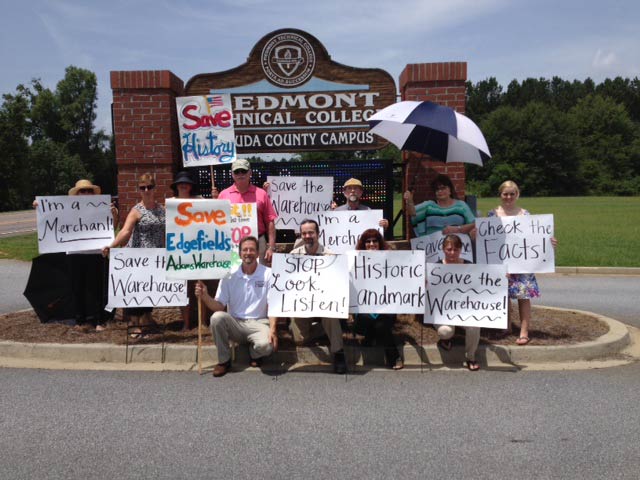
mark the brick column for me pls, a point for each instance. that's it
(442, 83)
(145, 126)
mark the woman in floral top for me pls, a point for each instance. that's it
(143, 228)
(522, 286)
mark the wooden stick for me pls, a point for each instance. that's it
(213, 177)
(200, 336)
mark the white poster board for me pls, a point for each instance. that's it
(74, 223)
(386, 281)
(198, 243)
(340, 230)
(307, 286)
(432, 246)
(244, 223)
(297, 198)
(467, 295)
(522, 243)
(206, 130)
(137, 278)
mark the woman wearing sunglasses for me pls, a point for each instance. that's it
(143, 228)
(377, 328)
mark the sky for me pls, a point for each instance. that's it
(572, 39)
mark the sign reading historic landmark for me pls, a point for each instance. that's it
(290, 97)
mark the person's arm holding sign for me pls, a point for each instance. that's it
(273, 333)
(211, 303)
(127, 230)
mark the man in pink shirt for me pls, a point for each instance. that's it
(243, 192)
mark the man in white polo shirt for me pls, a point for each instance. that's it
(244, 292)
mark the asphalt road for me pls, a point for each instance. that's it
(17, 223)
(447, 424)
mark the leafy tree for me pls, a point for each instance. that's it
(483, 98)
(14, 151)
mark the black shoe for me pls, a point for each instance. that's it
(339, 363)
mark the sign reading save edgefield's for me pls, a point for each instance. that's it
(198, 242)
(290, 97)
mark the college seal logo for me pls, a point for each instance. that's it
(288, 59)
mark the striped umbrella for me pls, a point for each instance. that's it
(432, 129)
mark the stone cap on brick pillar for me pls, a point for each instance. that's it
(146, 79)
(430, 72)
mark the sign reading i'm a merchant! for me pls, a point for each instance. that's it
(291, 97)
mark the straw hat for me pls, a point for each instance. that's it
(84, 185)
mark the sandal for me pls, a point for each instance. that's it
(472, 365)
(446, 345)
(399, 365)
(522, 341)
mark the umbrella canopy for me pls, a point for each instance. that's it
(49, 287)
(426, 127)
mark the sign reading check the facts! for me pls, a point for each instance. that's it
(386, 282)
(74, 223)
(206, 130)
(138, 278)
(199, 240)
(523, 243)
(297, 198)
(309, 286)
(467, 295)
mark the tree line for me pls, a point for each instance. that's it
(555, 137)
(48, 140)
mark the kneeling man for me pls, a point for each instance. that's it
(244, 294)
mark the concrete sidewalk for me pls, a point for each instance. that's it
(621, 345)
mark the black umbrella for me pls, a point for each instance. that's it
(49, 287)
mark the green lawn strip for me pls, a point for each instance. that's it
(23, 247)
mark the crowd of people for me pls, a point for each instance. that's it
(239, 303)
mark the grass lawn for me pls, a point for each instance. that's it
(592, 231)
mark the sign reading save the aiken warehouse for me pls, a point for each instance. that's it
(290, 96)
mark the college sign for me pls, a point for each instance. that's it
(291, 97)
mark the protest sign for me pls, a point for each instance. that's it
(244, 223)
(432, 246)
(199, 241)
(297, 198)
(308, 286)
(74, 223)
(206, 130)
(522, 243)
(467, 295)
(138, 278)
(340, 230)
(386, 281)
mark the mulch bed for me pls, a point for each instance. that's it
(548, 327)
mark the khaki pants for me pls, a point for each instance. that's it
(254, 332)
(471, 338)
(303, 330)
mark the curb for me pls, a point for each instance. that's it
(597, 271)
(184, 357)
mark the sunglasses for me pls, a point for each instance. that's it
(145, 188)
(371, 240)
(240, 171)
(85, 190)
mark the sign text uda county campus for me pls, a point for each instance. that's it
(291, 97)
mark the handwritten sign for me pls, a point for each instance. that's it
(386, 281)
(308, 286)
(198, 242)
(432, 246)
(206, 130)
(340, 230)
(297, 198)
(137, 278)
(467, 295)
(74, 223)
(244, 223)
(523, 243)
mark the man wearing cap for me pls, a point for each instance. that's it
(353, 190)
(243, 192)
